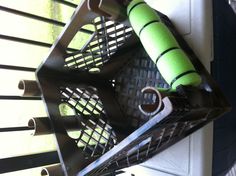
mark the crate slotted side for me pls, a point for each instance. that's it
(97, 136)
(107, 37)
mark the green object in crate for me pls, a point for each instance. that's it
(162, 47)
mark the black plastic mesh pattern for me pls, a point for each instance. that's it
(107, 37)
(148, 145)
(96, 135)
(159, 138)
(137, 74)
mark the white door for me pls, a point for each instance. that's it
(193, 155)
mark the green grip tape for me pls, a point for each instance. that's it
(177, 69)
(162, 47)
(140, 14)
(156, 39)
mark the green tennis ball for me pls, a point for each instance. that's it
(156, 38)
(141, 15)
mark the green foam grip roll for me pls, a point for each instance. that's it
(162, 47)
(156, 38)
(177, 69)
(140, 14)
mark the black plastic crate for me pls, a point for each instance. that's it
(102, 82)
